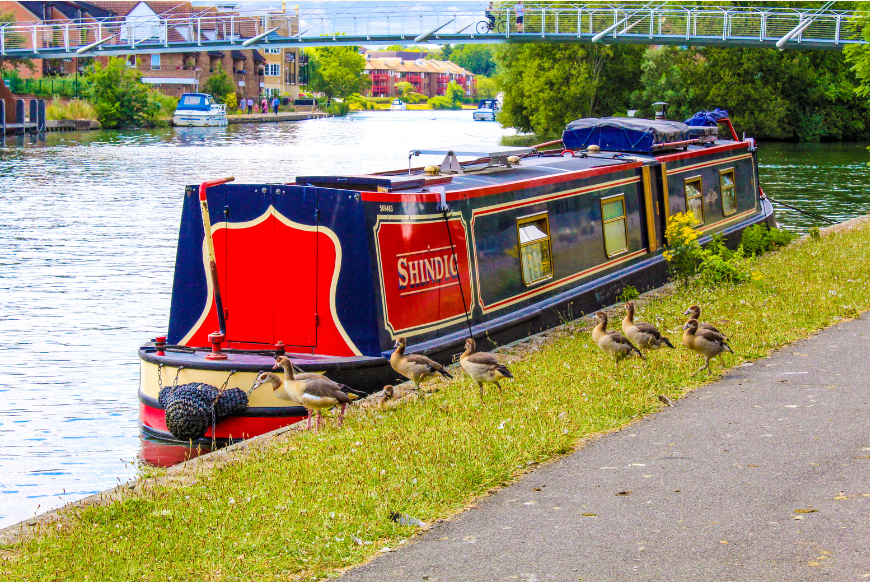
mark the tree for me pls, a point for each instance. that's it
(454, 94)
(11, 40)
(219, 85)
(477, 58)
(337, 71)
(486, 88)
(404, 88)
(548, 85)
(118, 94)
(400, 48)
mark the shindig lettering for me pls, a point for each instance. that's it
(418, 272)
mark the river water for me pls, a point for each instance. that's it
(87, 248)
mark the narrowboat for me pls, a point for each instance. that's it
(494, 242)
(486, 110)
(199, 110)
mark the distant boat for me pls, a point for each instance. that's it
(398, 105)
(486, 110)
(199, 110)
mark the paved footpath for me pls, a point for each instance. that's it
(764, 475)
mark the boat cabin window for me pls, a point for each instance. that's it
(613, 217)
(192, 100)
(533, 233)
(695, 199)
(728, 191)
(211, 100)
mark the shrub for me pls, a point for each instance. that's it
(715, 264)
(415, 98)
(232, 101)
(758, 239)
(815, 233)
(219, 85)
(338, 108)
(441, 102)
(118, 95)
(628, 293)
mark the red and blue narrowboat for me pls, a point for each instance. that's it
(495, 242)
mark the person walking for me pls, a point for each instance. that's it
(275, 103)
(264, 105)
(521, 12)
(250, 106)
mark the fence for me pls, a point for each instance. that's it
(47, 87)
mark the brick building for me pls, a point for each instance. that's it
(429, 77)
(151, 24)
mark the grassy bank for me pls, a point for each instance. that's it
(305, 505)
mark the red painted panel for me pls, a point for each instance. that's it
(248, 286)
(420, 274)
(297, 283)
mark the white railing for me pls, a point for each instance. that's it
(625, 22)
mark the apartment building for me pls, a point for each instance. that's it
(429, 77)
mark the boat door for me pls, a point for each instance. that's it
(270, 265)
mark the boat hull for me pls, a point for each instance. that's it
(192, 120)
(484, 115)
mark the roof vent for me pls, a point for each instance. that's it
(419, 62)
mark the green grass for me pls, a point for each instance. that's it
(290, 508)
(73, 109)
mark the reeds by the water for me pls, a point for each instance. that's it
(306, 505)
(72, 109)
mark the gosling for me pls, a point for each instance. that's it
(644, 335)
(694, 312)
(706, 343)
(416, 367)
(315, 393)
(613, 343)
(483, 367)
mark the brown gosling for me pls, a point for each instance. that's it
(694, 312)
(483, 367)
(644, 335)
(707, 343)
(314, 392)
(416, 367)
(613, 343)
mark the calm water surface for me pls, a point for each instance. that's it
(87, 250)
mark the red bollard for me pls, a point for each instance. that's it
(216, 339)
(159, 344)
(279, 348)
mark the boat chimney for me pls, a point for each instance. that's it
(661, 109)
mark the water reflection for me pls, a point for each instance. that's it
(158, 453)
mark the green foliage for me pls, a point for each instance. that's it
(338, 108)
(441, 102)
(455, 94)
(357, 101)
(759, 239)
(407, 49)
(815, 233)
(404, 88)
(486, 88)
(336, 71)
(219, 85)
(231, 100)
(548, 85)
(716, 264)
(118, 95)
(477, 58)
(74, 109)
(415, 98)
(628, 293)
(12, 40)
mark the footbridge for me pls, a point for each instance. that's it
(652, 23)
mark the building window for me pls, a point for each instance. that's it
(273, 70)
(155, 62)
(533, 233)
(272, 51)
(728, 190)
(613, 218)
(695, 199)
(391, 73)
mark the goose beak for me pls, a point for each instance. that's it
(396, 344)
(687, 312)
(257, 384)
(686, 326)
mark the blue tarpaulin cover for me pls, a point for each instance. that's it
(707, 118)
(622, 134)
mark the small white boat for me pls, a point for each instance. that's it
(487, 110)
(199, 110)
(398, 105)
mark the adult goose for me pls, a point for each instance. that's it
(613, 343)
(313, 391)
(416, 367)
(483, 367)
(706, 343)
(644, 335)
(694, 312)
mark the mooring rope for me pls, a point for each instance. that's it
(811, 214)
(446, 209)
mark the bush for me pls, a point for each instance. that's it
(758, 239)
(118, 95)
(715, 264)
(441, 102)
(415, 98)
(75, 109)
(338, 108)
(219, 85)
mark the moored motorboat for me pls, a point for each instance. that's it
(496, 242)
(199, 110)
(486, 110)
(398, 105)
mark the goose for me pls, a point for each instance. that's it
(299, 375)
(644, 335)
(612, 342)
(707, 343)
(694, 312)
(483, 367)
(415, 366)
(313, 391)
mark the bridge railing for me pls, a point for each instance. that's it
(698, 25)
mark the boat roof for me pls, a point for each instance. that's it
(479, 174)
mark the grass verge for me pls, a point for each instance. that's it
(303, 505)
